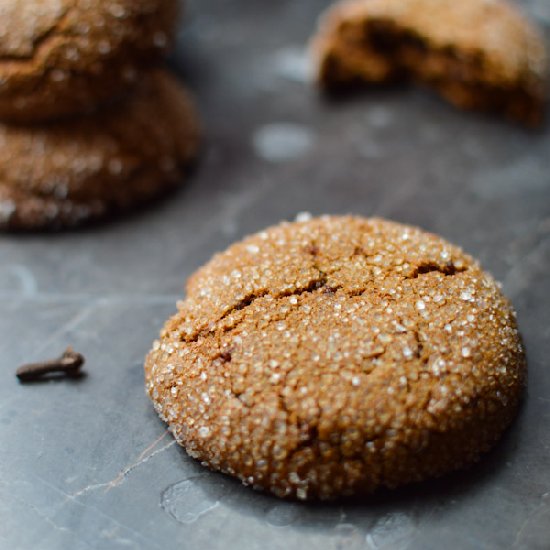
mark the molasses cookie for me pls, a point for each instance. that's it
(334, 356)
(70, 172)
(61, 57)
(478, 54)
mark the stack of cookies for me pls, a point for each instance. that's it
(91, 125)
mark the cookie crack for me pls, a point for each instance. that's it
(313, 286)
(448, 270)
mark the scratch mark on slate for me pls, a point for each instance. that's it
(69, 325)
(527, 521)
(123, 474)
(94, 510)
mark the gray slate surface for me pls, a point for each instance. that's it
(87, 464)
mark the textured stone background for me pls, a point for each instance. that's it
(87, 464)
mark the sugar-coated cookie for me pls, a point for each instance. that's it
(337, 355)
(67, 173)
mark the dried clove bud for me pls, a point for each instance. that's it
(69, 364)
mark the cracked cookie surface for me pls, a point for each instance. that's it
(478, 54)
(63, 57)
(334, 356)
(67, 173)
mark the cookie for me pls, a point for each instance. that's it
(63, 57)
(478, 54)
(70, 172)
(338, 355)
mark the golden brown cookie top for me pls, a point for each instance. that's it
(334, 347)
(329, 253)
(494, 29)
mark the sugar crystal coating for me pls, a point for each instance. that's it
(303, 364)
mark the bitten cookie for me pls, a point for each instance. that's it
(67, 173)
(338, 355)
(478, 54)
(62, 57)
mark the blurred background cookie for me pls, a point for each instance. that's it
(336, 356)
(66, 173)
(478, 54)
(62, 57)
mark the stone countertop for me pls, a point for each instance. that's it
(87, 463)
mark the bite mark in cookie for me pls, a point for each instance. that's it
(478, 54)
